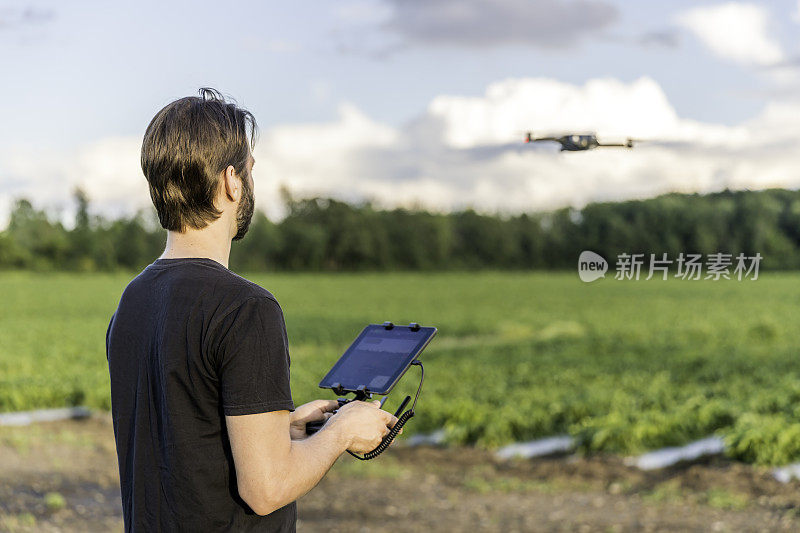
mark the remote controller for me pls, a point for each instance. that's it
(372, 365)
(313, 427)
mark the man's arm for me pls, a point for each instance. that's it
(315, 411)
(272, 470)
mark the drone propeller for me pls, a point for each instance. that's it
(527, 135)
(634, 140)
(530, 137)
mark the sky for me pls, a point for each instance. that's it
(408, 102)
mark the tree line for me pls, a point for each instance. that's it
(324, 234)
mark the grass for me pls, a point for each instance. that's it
(622, 366)
(671, 491)
(349, 467)
(486, 485)
(726, 499)
(23, 438)
(54, 501)
(17, 522)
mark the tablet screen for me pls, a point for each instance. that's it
(378, 358)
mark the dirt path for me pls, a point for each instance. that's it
(62, 476)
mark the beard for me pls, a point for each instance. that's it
(244, 212)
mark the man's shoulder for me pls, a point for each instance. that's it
(203, 281)
(247, 289)
(227, 292)
(237, 292)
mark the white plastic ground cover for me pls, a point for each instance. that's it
(537, 448)
(429, 439)
(23, 418)
(654, 460)
(786, 473)
(650, 461)
(669, 456)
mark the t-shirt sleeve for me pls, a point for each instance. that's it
(253, 359)
(108, 332)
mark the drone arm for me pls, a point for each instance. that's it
(617, 145)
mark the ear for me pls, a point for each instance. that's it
(233, 185)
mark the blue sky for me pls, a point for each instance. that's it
(83, 78)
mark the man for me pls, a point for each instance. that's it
(207, 435)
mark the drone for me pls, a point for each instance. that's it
(578, 142)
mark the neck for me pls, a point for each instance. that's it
(212, 242)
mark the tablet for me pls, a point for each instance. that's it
(378, 358)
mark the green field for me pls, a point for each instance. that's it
(622, 366)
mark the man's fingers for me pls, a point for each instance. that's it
(389, 418)
(326, 405)
(316, 410)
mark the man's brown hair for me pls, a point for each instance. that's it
(186, 147)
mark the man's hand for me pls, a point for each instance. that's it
(275, 467)
(364, 425)
(310, 412)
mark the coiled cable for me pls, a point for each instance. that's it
(401, 420)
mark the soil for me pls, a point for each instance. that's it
(62, 476)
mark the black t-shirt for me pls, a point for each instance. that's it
(189, 343)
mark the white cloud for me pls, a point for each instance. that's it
(735, 31)
(467, 152)
(312, 158)
(108, 170)
(639, 109)
(542, 23)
